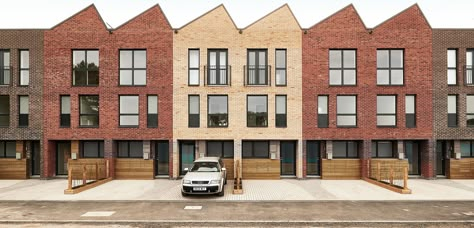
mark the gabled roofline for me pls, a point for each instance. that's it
(400, 13)
(140, 14)
(89, 6)
(270, 13)
(208, 12)
(336, 13)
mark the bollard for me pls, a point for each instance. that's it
(69, 177)
(405, 178)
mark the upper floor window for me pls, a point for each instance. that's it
(65, 119)
(24, 67)
(23, 111)
(91, 149)
(133, 67)
(469, 80)
(257, 67)
(346, 111)
(386, 110)
(217, 67)
(389, 67)
(323, 117)
(410, 111)
(280, 67)
(345, 149)
(85, 71)
(129, 111)
(257, 111)
(342, 67)
(193, 111)
(384, 149)
(470, 110)
(452, 110)
(130, 149)
(4, 110)
(89, 111)
(280, 111)
(152, 116)
(452, 66)
(467, 149)
(223, 149)
(7, 149)
(217, 111)
(193, 67)
(5, 67)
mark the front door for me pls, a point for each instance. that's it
(288, 158)
(441, 148)
(63, 153)
(186, 154)
(313, 158)
(412, 151)
(162, 158)
(35, 158)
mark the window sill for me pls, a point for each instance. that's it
(346, 126)
(342, 85)
(263, 85)
(391, 85)
(282, 85)
(194, 85)
(395, 126)
(218, 126)
(131, 85)
(85, 85)
(257, 126)
(225, 85)
(130, 126)
(24, 86)
(88, 126)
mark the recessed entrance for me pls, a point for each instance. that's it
(288, 158)
(186, 155)
(35, 158)
(63, 154)
(162, 158)
(441, 156)
(412, 151)
(313, 161)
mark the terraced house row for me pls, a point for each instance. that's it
(284, 101)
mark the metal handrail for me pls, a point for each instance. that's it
(268, 73)
(210, 68)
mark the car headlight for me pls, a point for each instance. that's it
(215, 181)
(186, 182)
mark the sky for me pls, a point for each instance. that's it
(48, 13)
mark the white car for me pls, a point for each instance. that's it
(207, 176)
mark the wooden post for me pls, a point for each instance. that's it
(69, 177)
(405, 178)
(378, 171)
(107, 168)
(84, 171)
(391, 175)
(96, 171)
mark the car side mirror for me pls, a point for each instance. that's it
(224, 169)
(186, 169)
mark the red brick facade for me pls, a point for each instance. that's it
(86, 30)
(409, 31)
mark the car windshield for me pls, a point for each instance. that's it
(205, 167)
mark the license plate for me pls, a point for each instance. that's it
(199, 189)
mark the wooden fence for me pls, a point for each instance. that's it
(390, 172)
(82, 172)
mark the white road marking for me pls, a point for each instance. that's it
(193, 208)
(468, 213)
(406, 210)
(455, 213)
(98, 214)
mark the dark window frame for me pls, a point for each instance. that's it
(87, 70)
(222, 142)
(23, 119)
(469, 113)
(257, 67)
(3, 143)
(63, 118)
(198, 115)
(469, 81)
(282, 117)
(253, 149)
(128, 149)
(209, 115)
(133, 69)
(452, 68)
(384, 114)
(9, 110)
(453, 116)
(279, 68)
(129, 114)
(98, 112)
(376, 152)
(354, 114)
(150, 118)
(218, 68)
(4, 69)
(342, 68)
(471, 144)
(21, 69)
(266, 113)
(390, 68)
(407, 115)
(100, 153)
(194, 68)
(346, 142)
(323, 119)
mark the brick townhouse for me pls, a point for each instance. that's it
(367, 94)
(21, 113)
(108, 94)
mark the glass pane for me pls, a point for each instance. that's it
(194, 58)
(261, 149)
(386, 104)
(469, 58)
(470, 104)
(194, 77)
(92, 59)
(257, 104)
(4, 105)
(24, 77)
(349, 77)
(352, 150)
(346, 120)
(281, 104)
(90, 149)
(122, 149)
(382, 59)
(322, 104)
(125, 59)
(93, 78)
(152, 104)
(470, 120)
(384, 149)
(193, 104)
(89, 121)
(262, 61)
(212, 59)
(129, 104)
(396, 58)
(346, 104)
(452, 77)
(452, 100)
(410, 104)
(465, 148)
(312, 158)
(162, 158)
(335, 59)
(339, 149)
(280, 77)
(139, 60)
(386, 121)
(187, 156)
(129, 120)
(24, 105)
(349, 59)
(252, 61)
(125, 77)
(335, 77)
(6, 58)
(79, 59)
(214, 149)
(280, 58)
(65, 104)
(397, 77)
(25, 59)
(139, 77)
(89, 104)
(223, 58)
(383, 77)
(217, 104)
(136, 149)
(247, 149)
(10, 149)
(228, 150)
(452, 58)
(79, 77)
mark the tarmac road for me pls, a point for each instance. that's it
(270, 214)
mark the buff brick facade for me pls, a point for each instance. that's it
(345, 30)
(148, 31)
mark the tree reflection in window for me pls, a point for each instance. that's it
(85, 70)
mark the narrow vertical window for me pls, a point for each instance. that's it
(323, 117)
(410, 111)
(24, 67)
(152, 116)
(85, 71)
(470, 110)
(217, 67)
(452, 67)
(280, 112)
(133, 67)
(193, 67)
(257, 67)
(5, 68)
(346, 111)
(88, 110)
(257, 111)
(280, 67)
(389, 67)
(193, 111)
(217, 111)
(386, 111)
(452, 111)
(129, 111)
(342, 67)
(469, 80)
(65, 119)
(4, 110)
(24, 110)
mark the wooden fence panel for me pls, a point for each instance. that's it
(461, 169)
(11, 168)
(260, 169)
(340, 169)
(138, 169)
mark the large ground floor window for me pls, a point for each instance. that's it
(255, 149)
(130, 149)
(223, 149)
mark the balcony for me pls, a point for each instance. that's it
(257, 75)
(217, 75)
(5, 75)
(468, 78)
